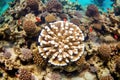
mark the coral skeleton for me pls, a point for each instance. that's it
(61, 43)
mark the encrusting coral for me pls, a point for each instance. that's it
(50, 18)
(108, 77)
(38, 60)
(75, 21)
(61, 43)
(24, 74)
(118, 66)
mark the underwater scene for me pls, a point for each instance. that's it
(59, 39)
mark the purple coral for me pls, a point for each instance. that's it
(32, 4)
(26, 54)
(92, 11)
(54, 6)
(24, 74)
(7, 54)
(56, 76)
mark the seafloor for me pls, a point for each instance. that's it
(59, 40)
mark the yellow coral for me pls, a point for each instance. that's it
(50, 18)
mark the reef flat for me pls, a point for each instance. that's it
(59, 40)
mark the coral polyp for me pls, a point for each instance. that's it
(61, 43)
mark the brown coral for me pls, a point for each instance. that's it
(63, 16)
(26, 54)
(50, 18)
(104, 52)
(118, 46)
(38, 60)
(97, 26)
(24, 74)
(54, 6)
(108, 77)
(80, 61)
(61, 43)
(75, 21)
(32, 4)
(92, 11)
(29, 27)
(6, 54)
(118, 66)
(56, 76)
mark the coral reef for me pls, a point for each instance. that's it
(29, 26)
(92, 11)
(75, 21)
(59, 40)
(24, 74)
(54, 6)
(26, 54)
(50, 18)
(32, 4)
(109, 77)
(53, 40)
(118, 66)
(104, 52)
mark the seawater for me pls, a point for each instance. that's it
(4, 5)
(103, 5)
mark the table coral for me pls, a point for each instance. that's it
(61, 43)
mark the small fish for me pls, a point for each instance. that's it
(38, 19)
(90, 29)
(64, 19)
(116, 36)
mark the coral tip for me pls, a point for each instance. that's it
(115, 36)
(90, 29)
(38, 19)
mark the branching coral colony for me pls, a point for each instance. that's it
(61, 43)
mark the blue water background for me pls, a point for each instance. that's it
(102, 6)
(4, 5)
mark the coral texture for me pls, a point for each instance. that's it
(104, 52)
(32, 4)
(50, 18)
(29, 27)
(75, 21)
(92, 11)
(38, 60)
(25, 74)
(61, 43)
(54, 6)
(118, 66)
(109, 77)
(26, 54)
